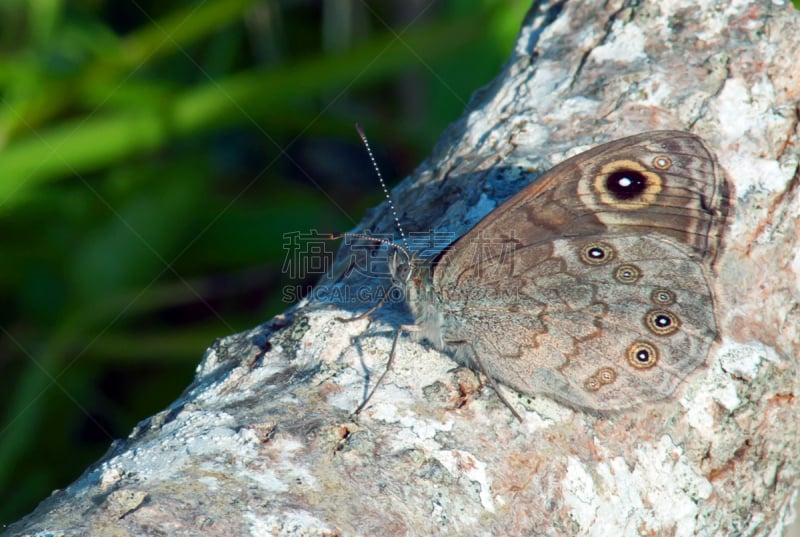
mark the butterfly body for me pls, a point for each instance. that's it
(591, 285)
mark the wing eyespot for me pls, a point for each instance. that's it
(662, 162)
(627, 274)
(642, 355)
(627, 185)
(663, 297)
(596, 253)
(662, 322)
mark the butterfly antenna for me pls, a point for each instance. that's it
(383, 184)
(364, 236)
(379, 240)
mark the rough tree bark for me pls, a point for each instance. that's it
(263, 443)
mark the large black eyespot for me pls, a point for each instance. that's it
(626, 184)
(642, 355)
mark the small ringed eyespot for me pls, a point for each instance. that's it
(642, 355)
(606, 375)
(662, 162)
(663, 296)
(592, 384)
(662, 322)
(627, 274)
(597, 253)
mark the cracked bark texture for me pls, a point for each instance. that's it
(263, 443)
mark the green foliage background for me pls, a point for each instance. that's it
(152, 154)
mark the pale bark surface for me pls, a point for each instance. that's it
(262, 443)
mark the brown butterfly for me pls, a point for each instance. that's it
(589, 286)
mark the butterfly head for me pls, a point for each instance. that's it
(401, 267)
(413, 276)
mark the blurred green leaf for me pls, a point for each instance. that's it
(153, 156)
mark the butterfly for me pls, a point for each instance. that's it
(592, 285)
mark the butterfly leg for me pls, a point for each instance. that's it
(380, 379)
(476, 360)
(370, 311)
